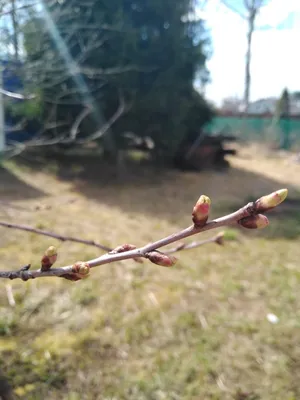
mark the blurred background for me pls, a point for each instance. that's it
(115, 116)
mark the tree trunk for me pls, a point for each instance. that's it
(15, 30)
(251, 20)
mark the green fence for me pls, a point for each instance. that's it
(286, 132)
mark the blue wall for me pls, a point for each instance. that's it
(13, 83)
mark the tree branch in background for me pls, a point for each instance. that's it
(71, 137)
(18, 96)
(251, 216)
(57, 71)
(99, 133)
(17, 127)
(2, 13)
(57, 236)
(74, 128)
(218, 239)
(79, 46)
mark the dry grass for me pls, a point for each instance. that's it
(131, 331)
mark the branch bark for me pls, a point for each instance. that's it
(18, 96)
(74, 129)
(248, 216)
(57, 236)
(99, 133)
(218, 239)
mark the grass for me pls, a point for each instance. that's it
(131, 331)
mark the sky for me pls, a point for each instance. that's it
(275, 55)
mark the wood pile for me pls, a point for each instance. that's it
(209, 152)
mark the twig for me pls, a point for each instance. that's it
(57, 236)
(112, 71)
(18, 8)
(74, 128)
(70, 137)
(19, 96)
(99, 133)
(10, 296)
(17, 127)
(218, 239)
(248, 216)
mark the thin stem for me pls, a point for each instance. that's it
(187, 246)
(108, 258)
(251, 210)
(57, 236)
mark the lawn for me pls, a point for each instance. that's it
(199, 330)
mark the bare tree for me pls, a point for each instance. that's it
(50, 70)
(248, 10)
(11, 14)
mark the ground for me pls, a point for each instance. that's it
(135, 331)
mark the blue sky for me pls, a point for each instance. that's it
(275, 54)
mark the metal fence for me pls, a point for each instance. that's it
(285, 131)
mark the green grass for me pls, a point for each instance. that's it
(141, 332)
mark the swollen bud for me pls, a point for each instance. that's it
(126, 247)
(161, 259)
(258, 221)
(48, 258)
(201, 211)
(271, 200)
(123, 248)
(81, 268)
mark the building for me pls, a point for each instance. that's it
(268, 105)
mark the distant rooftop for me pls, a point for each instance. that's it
(268, 105)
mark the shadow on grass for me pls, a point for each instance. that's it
(166, 193)
(12, 188)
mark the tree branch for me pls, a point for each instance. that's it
(17, 127)
(99, 133)
(74, 92)
(18, 8)
(74, 128)
(71, 136)
(248, 216)
(57, 236)
(218, 239)
(111, 71)
(76, 69)
(18, 96)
